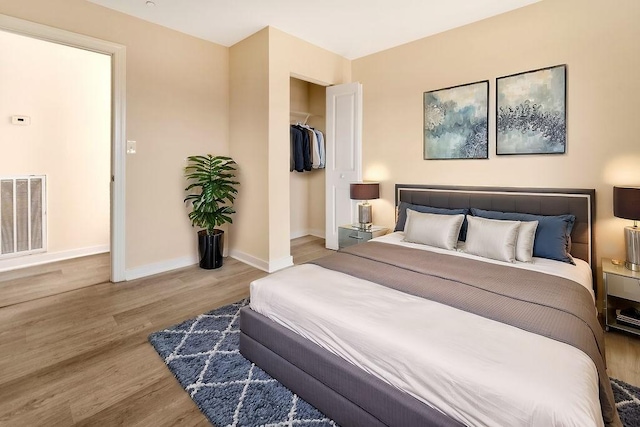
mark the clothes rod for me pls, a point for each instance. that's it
(301, 113)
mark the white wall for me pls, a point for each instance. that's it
(67, 94)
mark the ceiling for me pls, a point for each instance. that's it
(350, 28)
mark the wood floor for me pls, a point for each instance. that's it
(81, 357)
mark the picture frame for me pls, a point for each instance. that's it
(531, 113)
(456, 122)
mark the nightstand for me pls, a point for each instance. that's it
(352, 234)
(622, 290)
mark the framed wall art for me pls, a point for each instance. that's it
(531, 113)
(456, 122)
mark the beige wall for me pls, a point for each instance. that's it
(249, 142)
(599, 43)
(306, 189)
(260, 233)
(177, 105)
(67, 94)
(188, 96)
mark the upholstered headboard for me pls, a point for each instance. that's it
(540, 201)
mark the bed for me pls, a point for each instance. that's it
(402, 333)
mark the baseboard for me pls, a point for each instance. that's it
(47, 257)
(317, 232)
(299, 233)
(261, 264)
(159, 267)
(308, 232)
(172, 264)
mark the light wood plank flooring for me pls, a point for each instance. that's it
(27, 284)
(81, 357)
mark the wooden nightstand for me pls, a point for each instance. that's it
(352, 234)
(622, 290)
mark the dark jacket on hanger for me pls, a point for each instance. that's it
(305, 150)
(296, 140)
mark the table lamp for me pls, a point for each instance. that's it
(364, 191)
(626, 204)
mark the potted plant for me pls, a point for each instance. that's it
(212, 190)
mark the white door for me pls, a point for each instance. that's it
(343, 156)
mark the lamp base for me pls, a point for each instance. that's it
(632, 242)
(631, 266)
(364, 215)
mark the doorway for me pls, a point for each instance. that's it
(307, 187)
(116, 176)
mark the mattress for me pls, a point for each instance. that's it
(475, 370)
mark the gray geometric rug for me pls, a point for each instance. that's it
(627, 401)
(203, 355)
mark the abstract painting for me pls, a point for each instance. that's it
(531, 115)
(455, 122)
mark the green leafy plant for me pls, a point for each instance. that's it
(211, 181)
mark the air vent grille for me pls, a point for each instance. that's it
(22, 215)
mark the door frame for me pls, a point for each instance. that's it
(118, 120)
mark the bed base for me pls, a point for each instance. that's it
(342, 391)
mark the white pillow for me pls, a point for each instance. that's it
(433, 229)
(492, 238)
(526, 237)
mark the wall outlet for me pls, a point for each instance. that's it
(131, 147)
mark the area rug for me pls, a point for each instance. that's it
(203, 355)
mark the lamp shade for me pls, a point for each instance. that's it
(364, 190)
(626, 202)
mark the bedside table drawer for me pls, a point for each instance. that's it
(623, 287)
(347, 237)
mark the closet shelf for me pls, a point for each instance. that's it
(304, 114)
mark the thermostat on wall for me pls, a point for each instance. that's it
(21, 120)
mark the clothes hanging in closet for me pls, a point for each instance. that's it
(307, 148)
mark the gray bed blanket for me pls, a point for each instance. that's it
(544, 304)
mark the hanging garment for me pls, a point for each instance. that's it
(314, 147)
(321, 150)
(297, 142)
(315, 151)
(306, 149)
(292, 137)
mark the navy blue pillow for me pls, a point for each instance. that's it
(402, 216)
(553, 235)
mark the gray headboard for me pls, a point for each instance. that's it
(540, 201)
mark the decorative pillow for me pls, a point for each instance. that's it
(526, 238)
(433, 229)
(552, 234)
(491, 238)
(402, 215)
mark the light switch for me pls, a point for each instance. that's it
(131, 147)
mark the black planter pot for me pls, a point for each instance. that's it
(210, 247)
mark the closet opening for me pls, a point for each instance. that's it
(307, 188)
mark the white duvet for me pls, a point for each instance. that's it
(478, 371)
